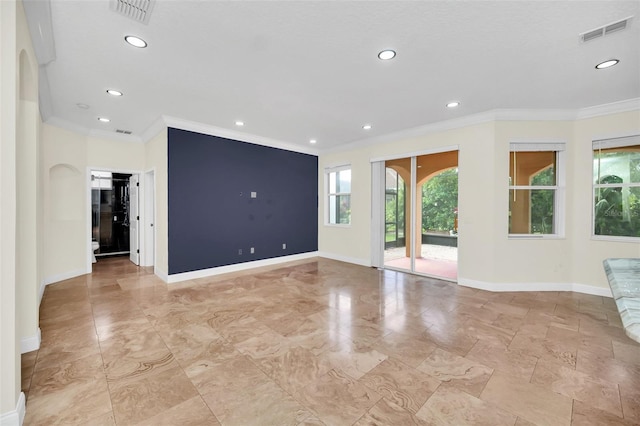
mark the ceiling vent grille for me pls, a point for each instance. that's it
(138, 10)
(124, 132)
(605, 30)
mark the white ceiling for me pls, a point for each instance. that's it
(296, 70)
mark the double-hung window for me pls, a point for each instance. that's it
(536, 184)
(616, 188)
(338, 199)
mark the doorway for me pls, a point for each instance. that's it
(114, 214)
(420, 214)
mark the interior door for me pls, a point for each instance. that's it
(134, 220)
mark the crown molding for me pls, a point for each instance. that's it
(492, 116)
(207, 129)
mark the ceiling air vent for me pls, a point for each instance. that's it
(605, 30)
(138, 10)
(124, 132)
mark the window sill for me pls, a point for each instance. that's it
(615, 239)
(536, 237)
(338, 225)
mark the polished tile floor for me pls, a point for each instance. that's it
(320, 342)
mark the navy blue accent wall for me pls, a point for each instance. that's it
(212, 215)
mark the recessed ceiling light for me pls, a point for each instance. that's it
(82, 106)
(104, 119)
(607, 64)
(313, 141)
(453, 104)
(114, 92)
(135, 41)
(239, 123)
(387, 54)
(367, 126)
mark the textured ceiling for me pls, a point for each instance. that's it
(296, 70)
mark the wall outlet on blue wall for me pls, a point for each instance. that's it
(240, 252)
(284, 246)
(253, 250)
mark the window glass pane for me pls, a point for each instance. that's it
(617, 211)
(531, 211)
(333, 188)
(617, 165)
(344, 181)
(532, 168)
(332, 209)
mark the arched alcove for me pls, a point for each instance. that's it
(66, 186)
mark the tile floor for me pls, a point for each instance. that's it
(321, 342)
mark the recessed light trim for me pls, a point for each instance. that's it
(453, 104)
(387, 54)
(114, 92)
(135, 41)
(82, 106)
(312, 141)
(239, 123)
(607, 64)
(104, 119)
(367, 127)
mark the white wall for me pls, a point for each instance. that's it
(66, 160)
(156, 159)
(487, 257)
(9, 351)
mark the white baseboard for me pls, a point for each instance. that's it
(202, 273)
(65, 276)
(498, 287)
(30, 344)
(15, 417)
(354, 260)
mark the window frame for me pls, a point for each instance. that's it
(559, 199)
(608, 143)
(328, 194)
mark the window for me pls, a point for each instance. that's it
(535, 189)
(338, 181)
(616, 187)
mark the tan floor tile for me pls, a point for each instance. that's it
(628, 353)
(514, 362)
(579, 386)
(586, 415)
(133, 355)
(560, 351)
(192, 412)
(262, 404)
(295, 369)
(532, 402)
(450, 406)
(456, 371)
(412, 351)
(139, 398)
(388, 413)
(337, 399)
(73, 404)
(400, 384)
(293, 344)
(355, 362)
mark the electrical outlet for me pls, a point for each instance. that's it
(284, 246)
(253, 250)
(240, 251)
(254, 194)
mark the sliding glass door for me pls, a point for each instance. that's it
(420, 214)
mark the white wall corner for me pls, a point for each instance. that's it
(161, 274)
(32, 343)
(500, 287)
(15, 417)
(65, 276)
(43, 284)
(346, 259)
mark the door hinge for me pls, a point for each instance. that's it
(137, 183)
(137, 250)
(137, 217)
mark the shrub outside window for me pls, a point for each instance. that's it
(535, 197)
(616, 187)
(338, 181)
